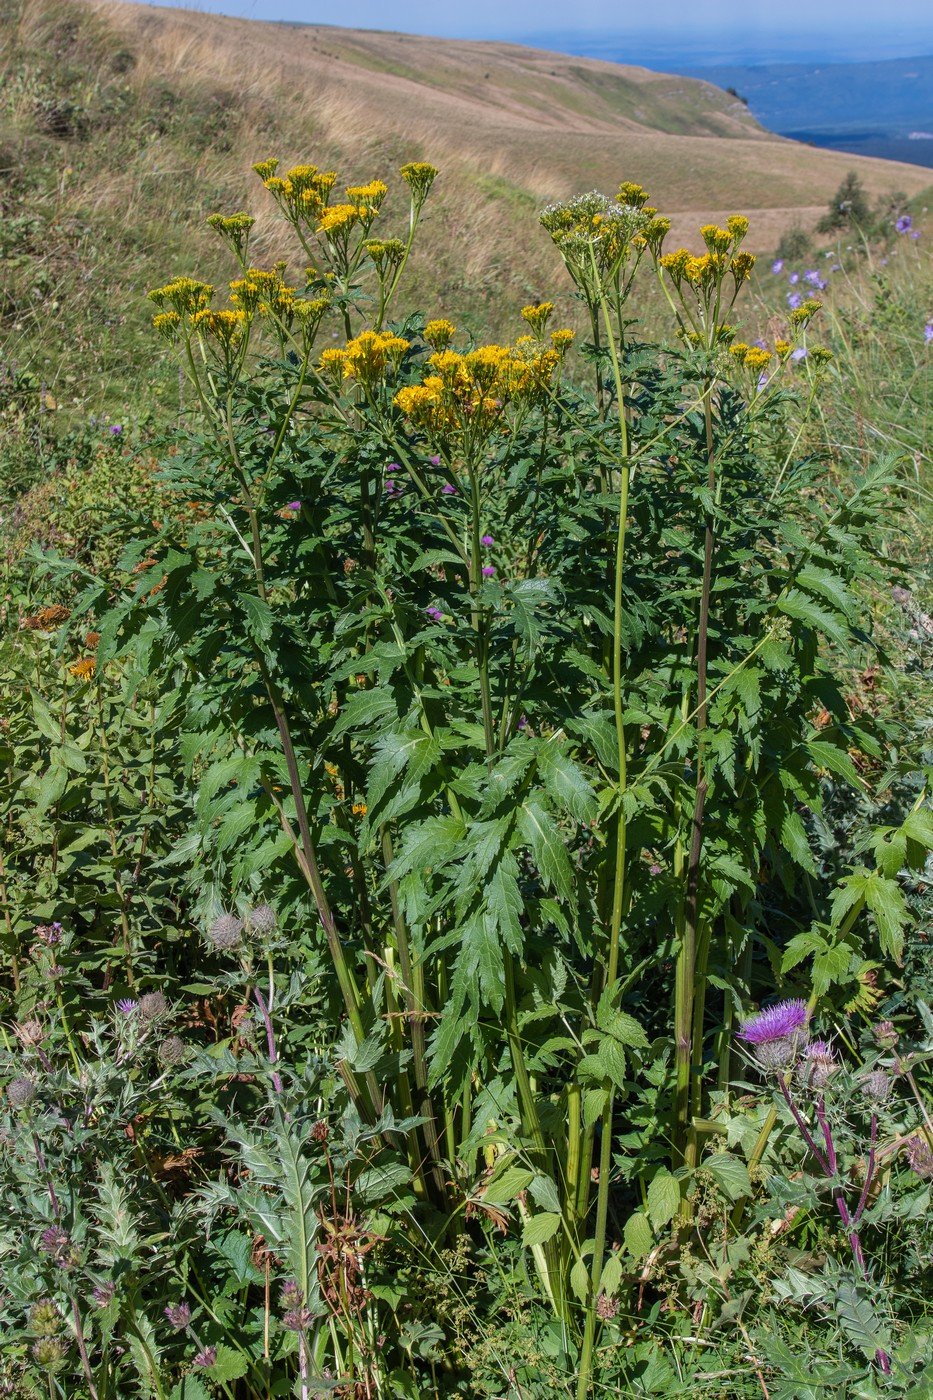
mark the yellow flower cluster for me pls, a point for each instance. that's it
(263, 291)
(419, 176)
(367, 358)
(234, 229)
(439, 333)
(754, 357)
(302, 193)
(468, 392)
(184, 295)
(386, 254)
(84, 669)
(802, 315)
(225, 327)
(538, 316)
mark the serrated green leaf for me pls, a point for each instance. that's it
(538, 1229)
(663, 1199)
(638, 1236)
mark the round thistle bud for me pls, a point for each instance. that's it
(817, 1065)
(320, 1132)
(877, 1086)
(226, 932)
(920, 1156)
(297, 1319)
(153, 1005)
(885, 1034)
(44, 1318)
(172, 1050)
(179, 1315)
(102, 1294)
(776, 1055)
(292, 1296)
(262, 919)
(206, 1358)
(49, 1353)
(606, 1307)
(20, 1092)
(55, 1242)
(30, 1032)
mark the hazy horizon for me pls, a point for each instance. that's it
(830, 31)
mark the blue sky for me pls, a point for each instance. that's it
(815, 28)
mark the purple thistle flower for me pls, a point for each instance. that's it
(777, 1022)
(487, 540)
(205, 1358)
(102, 1294)
(794, 299)
(488, 571)
(794, 278)
(435, 614)
(904, 223)
(777, 266)
(179, 1315)
(126, 1006)
(293, 505)
(292, 1296)
(448, 490)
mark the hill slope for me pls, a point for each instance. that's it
(122, 126)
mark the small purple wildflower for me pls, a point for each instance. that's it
(393, 467)
(762, 344)
(487, 540)
(293, 505)
(798, 354)
(126, 1006)
(292, 1296)
(102, 1294)
(915, 234)
(777, 1022)
(179, 1315)
(435, 614)
(116, 428)
(762, 382)
(777, 266)
(812, 276)
(904, 223)
(488, 571)
(448, 490)
(928, 332)
(206, 1358)
(523, 722)
(56, 1243)
(794, 299)
(435, 460)
(794, 278)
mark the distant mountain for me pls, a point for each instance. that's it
(881, 108)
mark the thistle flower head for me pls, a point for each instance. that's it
(20, 1091)
(179, 1315)
(102, 1294)
(920, 1156)
(778, 1022)
(817, 1064)
(877, 1086)
(206, 1358)
(262, 919)
(56, 1243)
(226, 932)
(49, 1353)
(291, 1296)
(153, 1006)
(44, 1318)
(172, 1050)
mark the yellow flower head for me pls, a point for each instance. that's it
(386, 253)
(333, 362)
(676, 263)
(233, 229)
(802, 315)
(755, 358)
(737, 224)
(84, 669)
(372, 194)
(562, 340)
(741, 266)
(739, 349)
(717, 240)
(359, 809)
(439, 333)
(167, 323)
(416, 402)
(782, 348)
(537, 316)
(630, 193)
(371, 353)
(419, 176)
(183, 294)
(340, 218)
(265, 169)
(226, 327)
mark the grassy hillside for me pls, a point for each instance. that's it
(122, 126)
